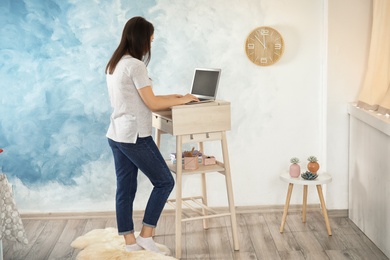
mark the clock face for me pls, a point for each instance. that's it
(264, 46)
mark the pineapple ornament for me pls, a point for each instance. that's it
(295, 169)
(313, 165)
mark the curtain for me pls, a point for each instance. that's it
(11, 225)
(375, 94)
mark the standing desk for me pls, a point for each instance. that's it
(197, 123)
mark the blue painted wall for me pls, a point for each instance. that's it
(54, 105)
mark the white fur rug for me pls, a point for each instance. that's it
(106, 244)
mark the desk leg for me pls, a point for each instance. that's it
(324, 211)
(179, 168)
(229, 188)
(304, 203)
(157, 137)
(290, 188)
(157, 140)
(204, 192)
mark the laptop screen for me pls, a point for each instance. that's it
(205, 82)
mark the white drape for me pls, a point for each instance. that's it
(11, 226)
(375, 94)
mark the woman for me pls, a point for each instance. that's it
(129, 133)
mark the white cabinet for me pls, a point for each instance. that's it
(369, 175)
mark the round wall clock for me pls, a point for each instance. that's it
(264, 46)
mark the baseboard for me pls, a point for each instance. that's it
(239, 210)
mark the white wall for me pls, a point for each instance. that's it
(298, 106)
(276, 110)
(348, 42)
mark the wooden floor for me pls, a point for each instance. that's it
(259, 238)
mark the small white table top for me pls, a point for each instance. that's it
(322, 178)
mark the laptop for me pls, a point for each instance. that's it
(205, 84)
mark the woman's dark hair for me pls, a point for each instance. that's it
(136, 37)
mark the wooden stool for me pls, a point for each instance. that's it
(322, 178)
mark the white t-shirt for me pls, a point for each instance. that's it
(130, 117)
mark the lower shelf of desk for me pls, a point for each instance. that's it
(195, 205)
(218, 167)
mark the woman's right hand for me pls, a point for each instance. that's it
(189, 98)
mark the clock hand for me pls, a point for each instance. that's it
(264, 42)
(261, 42)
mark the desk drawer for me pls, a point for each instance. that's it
(201, 118)
(193, 119)
(163, 123)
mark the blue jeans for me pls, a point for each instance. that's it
(128, 158)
